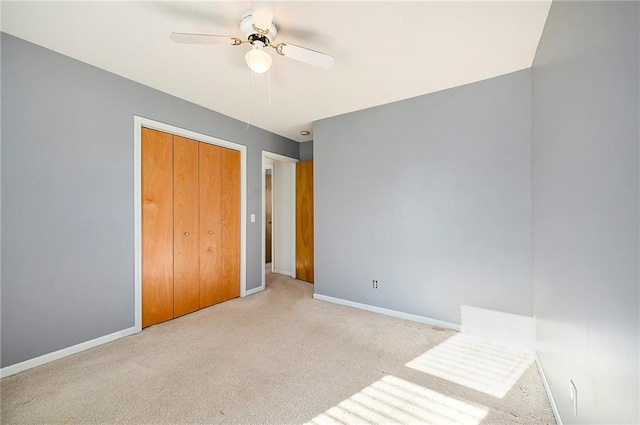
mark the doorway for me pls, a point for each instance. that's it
(268, 215)
(278, 215)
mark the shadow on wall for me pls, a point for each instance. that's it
(511, 329)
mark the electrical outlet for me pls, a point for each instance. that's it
(375, 284)
(573, 396)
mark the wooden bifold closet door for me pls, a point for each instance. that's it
(190, 225)
(229, 235)
(157, 227)
(186, 258)
(220, 224)
(210, 176)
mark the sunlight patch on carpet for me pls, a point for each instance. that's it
(476, 363)
(394, 400)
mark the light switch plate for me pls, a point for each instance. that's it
(253, 218)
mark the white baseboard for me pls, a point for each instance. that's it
(554, 407)
(388, 312)
(284, 272)
(253, 291)
(46, 358)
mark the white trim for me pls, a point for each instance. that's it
(74, 349)
(293, 222)
(263, 240)
(253, 291)
(138, 123)
(278, 157)
(388, 312)
(282, 158)
(137, 224)
(284, 272)
(547, 388)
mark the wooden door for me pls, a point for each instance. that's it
(267, 215)
(220, 224)
(157, 227)
(190, 225)
(230, 224)
(186, 265)
(210, 223)
(304, 221)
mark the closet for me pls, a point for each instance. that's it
(190, 225)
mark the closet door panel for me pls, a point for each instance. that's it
(230, 225)
(157, 227)
(210, 223)
(186, 267)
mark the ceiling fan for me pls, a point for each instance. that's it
(260, 31)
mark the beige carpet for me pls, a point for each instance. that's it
(281, 357)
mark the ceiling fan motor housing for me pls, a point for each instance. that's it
(253, 38)
(246, 26)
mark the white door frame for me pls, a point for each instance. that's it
(138, 123)
(292, 161)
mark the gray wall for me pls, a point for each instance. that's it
(585, 208)
(306, 151)
(67, 195)
(431, 196)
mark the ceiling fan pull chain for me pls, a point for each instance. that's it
(269, 88)
(248, 97)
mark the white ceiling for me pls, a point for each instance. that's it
(384, 51)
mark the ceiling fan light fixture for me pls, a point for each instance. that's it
(260, 32)
(258, 60)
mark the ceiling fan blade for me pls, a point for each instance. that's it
(188, 38)
(305, 55)
(262, 13)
